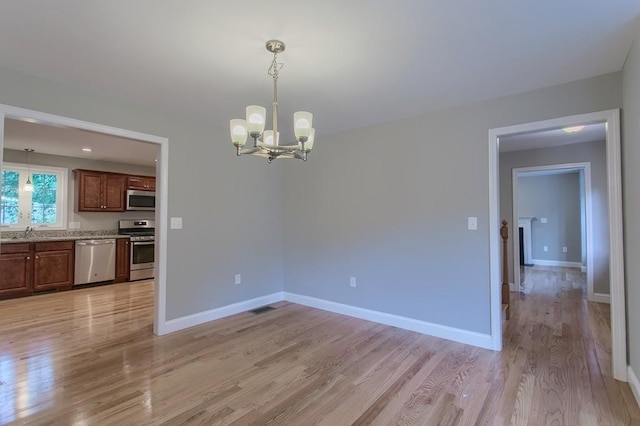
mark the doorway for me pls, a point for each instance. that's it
(611, 119)
(20, 114)
(575, 233)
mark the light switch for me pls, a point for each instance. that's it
(176, 223)
(472, 223)
(543, 220)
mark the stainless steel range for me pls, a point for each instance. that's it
(142, 256)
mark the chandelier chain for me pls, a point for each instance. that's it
(275, 67)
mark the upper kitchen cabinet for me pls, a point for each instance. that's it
(100, 191)
(141, 183)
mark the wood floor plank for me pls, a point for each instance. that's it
(89, 357)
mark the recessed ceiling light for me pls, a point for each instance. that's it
(573, 129)
(87, 149)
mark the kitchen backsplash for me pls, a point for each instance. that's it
(51, 233)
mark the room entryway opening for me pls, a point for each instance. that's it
(610, 122)
(130, 139)
(553, 206)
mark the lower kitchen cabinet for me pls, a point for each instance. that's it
(53, 266)
(122, 259)
(15, 270)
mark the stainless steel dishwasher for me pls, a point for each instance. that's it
(95, 261)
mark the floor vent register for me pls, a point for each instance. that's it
(262, 310)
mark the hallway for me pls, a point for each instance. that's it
(567, 342)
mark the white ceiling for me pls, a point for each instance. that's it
(352, 64)
(555, 137)
(69, 143)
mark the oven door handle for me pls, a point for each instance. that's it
(143, 243)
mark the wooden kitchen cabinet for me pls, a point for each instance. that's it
(53, 265)
(100, 191)
(141, 183)
(15, 270)
(122, 259)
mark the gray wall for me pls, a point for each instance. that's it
(594, 153)
(555, 197)
(232, 207)
(388, 204)
(630, 178)
(89, 221)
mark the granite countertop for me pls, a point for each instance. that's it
(41, 238)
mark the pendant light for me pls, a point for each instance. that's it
(28, 186)
(266, 143)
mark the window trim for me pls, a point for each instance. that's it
(62, 194)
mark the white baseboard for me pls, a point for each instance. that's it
(600, 298)
(634, 384)
(437, 330)
(424, 327)
(217, 313)
(556, 263)
(512, 286)
(583, 268)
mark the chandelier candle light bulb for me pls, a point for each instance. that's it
(302, 124)
(264, 143)
(256, 119)
(238, 132)
(267, 136)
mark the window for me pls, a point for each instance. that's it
(44, 207)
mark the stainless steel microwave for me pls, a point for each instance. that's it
(141, 200)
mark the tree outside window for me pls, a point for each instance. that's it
(42, 207)
(43, 198)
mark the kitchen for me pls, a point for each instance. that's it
(93, 225)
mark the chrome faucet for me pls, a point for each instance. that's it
(28, 231)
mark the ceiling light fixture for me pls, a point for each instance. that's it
(573, 129)
(266, 143)
(28, 186)
(87, 149)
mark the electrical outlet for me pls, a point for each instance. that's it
(176, 223)
(352, 282)
(472, 223)
(543, 220)
(564, 249)
(545, 248)
(238, 279)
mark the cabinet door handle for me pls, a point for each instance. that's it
(28, 257)
(37, 257)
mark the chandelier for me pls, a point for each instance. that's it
(266, 143)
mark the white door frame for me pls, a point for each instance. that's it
(586, 167)
(611, 118)
(162, 173)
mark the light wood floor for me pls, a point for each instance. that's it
(89, 357)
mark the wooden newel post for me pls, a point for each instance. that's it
(504, 233)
